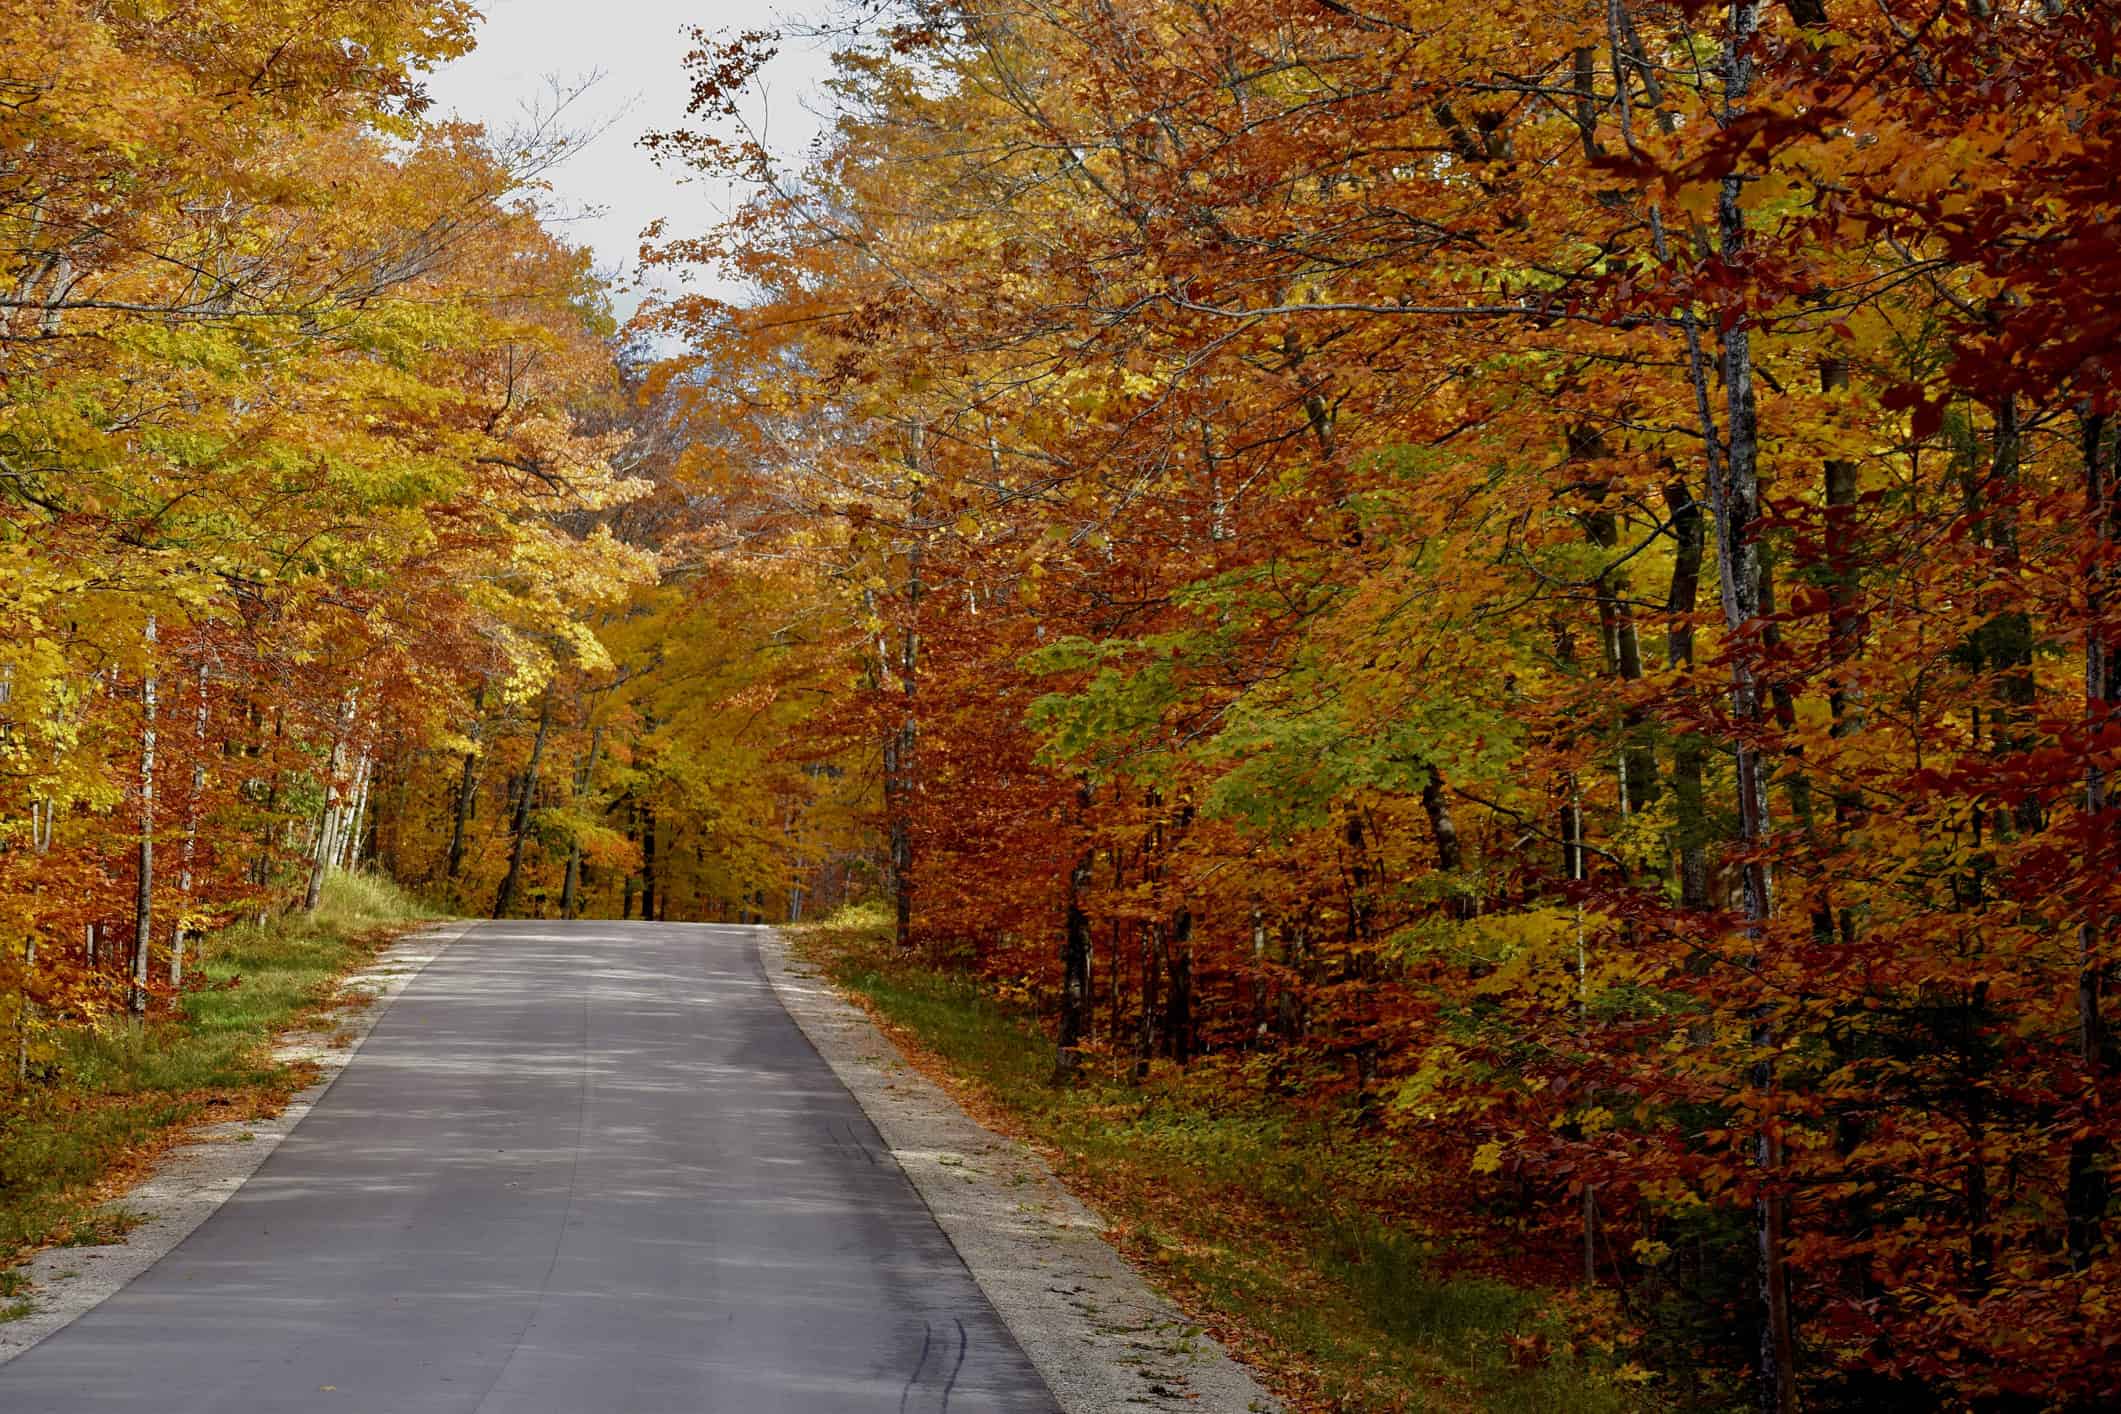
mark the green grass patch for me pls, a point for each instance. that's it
(14, 1296)
(1280, 1219)
(102, 1228)
(115, 1091)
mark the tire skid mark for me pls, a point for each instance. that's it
(913, 1380)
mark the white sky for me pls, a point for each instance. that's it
(612, 187)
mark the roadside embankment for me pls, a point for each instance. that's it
(125, 1137)
(1268, 1229)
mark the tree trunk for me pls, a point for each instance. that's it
(586, 778)
(1735, 504)
(2009, 636)
(1178, 1010)
(1145, 1034)
(1844, 595)
(319, 857)
(1075, 967)
(899, 750)
(346, 847)
(261, 872)
(191, 832)
(505, 899)
(898, 804)
(144, 900)
(1844, 585)
(1449, 853)
(1586, 108)
(1361, 906)
(1616, 623)
(22, 1009)
(2090, 1184)
(467, 787)
(647, 863)
(1682, 600)
(327, 827)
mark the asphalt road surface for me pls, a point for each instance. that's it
(577, 1168)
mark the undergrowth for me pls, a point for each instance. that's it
(111, 1093)
(1278, 1221)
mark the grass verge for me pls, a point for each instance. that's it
(113, 1095)
(1266, 1225)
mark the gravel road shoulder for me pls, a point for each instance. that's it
(201, 1174)
(1100, 1336)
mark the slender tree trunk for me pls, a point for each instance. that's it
(23, 1005)
(505, 899)
(1571, 829)
(1361, 905)
(2010, 633)
(327, 827)
(902, 841)
(1075, 963)
(1616, 622)
(1844, 583)
(191, 832)
(1178, 1026)
(1780, 698)
(584, 780)
(386, 804)
(1735, 502)
(1145, 1035)
(908, 732)
(1682, 600)
(320, 856)
(468, 785)
(342, 821)
(1443, 829)
(648, 891)
(1117, 991)
(346, 846)
(1586, 108)
(2090, 1183)
(1260, 1029)
(1734, 482)
(1845, 615)
(144, 900)
(261, 872)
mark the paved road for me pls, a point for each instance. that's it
(577, 1168)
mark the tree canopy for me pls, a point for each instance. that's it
(1543, 575)
(1539, 581)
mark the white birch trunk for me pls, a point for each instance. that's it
(320, 859)
(349, 845)
(144, 902)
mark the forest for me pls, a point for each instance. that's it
(1540, 582)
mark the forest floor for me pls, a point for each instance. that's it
(1252, 1217)
(103, 1103)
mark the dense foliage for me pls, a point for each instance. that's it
(1543, 575)
(332, 526)
(298, 400)
(1537, 583)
